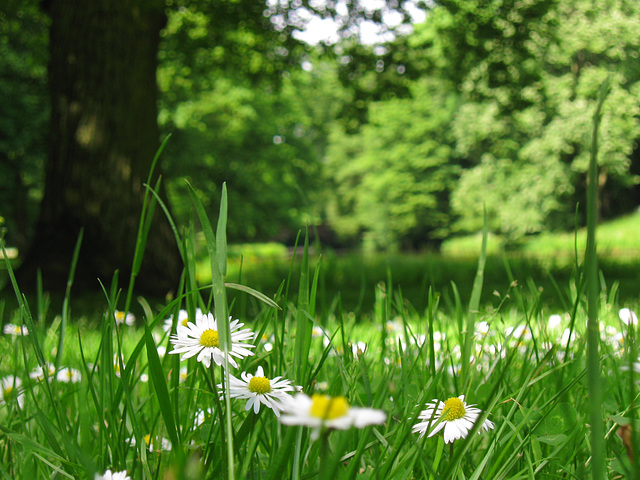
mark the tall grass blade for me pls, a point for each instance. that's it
(67, 296)
(593, 298)
(221, 233)
(220, 302)
(146, 217)
(474, 302)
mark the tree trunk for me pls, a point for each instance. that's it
(103, 137)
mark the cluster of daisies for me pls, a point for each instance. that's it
(200, 339)
(11, 388)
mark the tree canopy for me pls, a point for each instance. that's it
(396, 144)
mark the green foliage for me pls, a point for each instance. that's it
(241, 109)
(24, 114)
(529, 139)
(392, 179)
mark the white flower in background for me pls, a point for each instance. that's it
(455, 416)
(163, 443)
(201, 339)
(520, 332)
(258, 389)
(628, 317)
(393, 326)
(322, 386)
(37, 374)
(124, 318)
(567, 336)
(554, 321)
(183, 374)
(183, 319)
(162, 350)
(11, 391)
(481, 330)
(267, 342)
(358, 349)
(144, 378)
(116, 365)
(318, 332)
(322, 411)
(108, 475)
(201, 416)
(15, 330)
(69, 375)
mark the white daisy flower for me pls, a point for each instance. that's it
(554, 321)
(163, 443)
(183, 319)
(11, 391)
(201, 339)
(455, 416)
(15, 330)
(628, 317)
(323, 411)
(481, 329)
(258, 389)
(358, 349)
(124, 318)
(108, 475)
(116, 365)
(201, 416)
(37, 374)
(69, 375)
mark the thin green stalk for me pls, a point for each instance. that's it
(474, 304)
(593, 331)
(217, 257)
(146, 216)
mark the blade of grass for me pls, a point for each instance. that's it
(593, 299)
(220, 301)
(65, 302)
(474, 303)
(156, 374)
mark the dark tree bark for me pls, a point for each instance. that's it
(103, 137)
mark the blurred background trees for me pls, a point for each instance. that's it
(388, 145)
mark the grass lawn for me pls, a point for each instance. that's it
(400, 376)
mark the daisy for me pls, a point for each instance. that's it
(323, 411)
(554, 321)
(628, 317)
(183, 319)
(201, 416)
(163, 443)
(259, 389)
(116, 365)
(15, 330)
(455, 416)
(38, 373)
(127, 318)
(108, 475)
(69, 375)
(11, 391)
(201, 339)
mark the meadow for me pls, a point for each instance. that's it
(452, 387)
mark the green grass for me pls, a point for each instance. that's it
(531, 383)
(618, 239)
(397, 356)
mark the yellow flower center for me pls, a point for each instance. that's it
(453, 409)
(185, 321)
(328, 408)
(119, 316)
(260, 385)
(147, 439)
(8, 393)
(209, 338)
